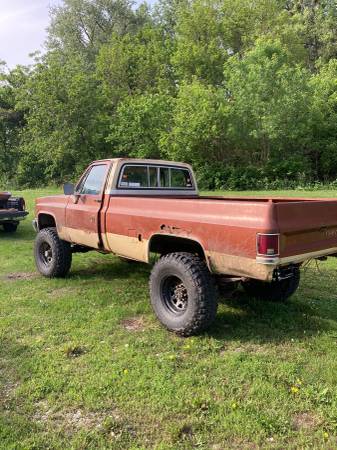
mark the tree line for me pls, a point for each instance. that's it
(244, 90)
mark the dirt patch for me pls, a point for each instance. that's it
(237, 444)
(71, 421)
(61, 292)
(133, 324)
(19, 276)
(305, 421)
(6, 392)
(248, 348)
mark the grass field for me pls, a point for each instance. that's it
(85, 365)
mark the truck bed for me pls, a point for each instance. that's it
(227, 227)
(306, 225)
(4, 196)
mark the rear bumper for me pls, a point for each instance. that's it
(12, 216)
(295, 259)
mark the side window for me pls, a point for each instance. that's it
(134, 177)
(93, 183)
(153, 174)
(164, 177)
(180, 178)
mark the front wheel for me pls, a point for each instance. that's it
(276, 290)
(183, 295)
(52, 255)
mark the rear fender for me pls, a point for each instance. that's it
(168, 243)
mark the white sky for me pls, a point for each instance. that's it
(23, 26)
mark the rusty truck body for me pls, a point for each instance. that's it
(12, 211)
(135, 208)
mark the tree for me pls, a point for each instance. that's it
(323, 122)
(84, 25)
(200, 120)
(139, 124)
(65, 123)
(270, 102)
(244, 90)
(11, 121)
(200, 50)
(135, 63)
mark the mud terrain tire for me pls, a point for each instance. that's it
(183, 294)
(52, 255)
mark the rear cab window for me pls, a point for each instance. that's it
(137, 176)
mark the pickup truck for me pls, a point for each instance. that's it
(139, 208)
(12, 211)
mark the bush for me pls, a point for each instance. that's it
(282, 175)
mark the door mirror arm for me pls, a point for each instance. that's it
(77, 196)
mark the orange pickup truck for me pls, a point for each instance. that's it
(135, 208)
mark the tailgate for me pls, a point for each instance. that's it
(307, 227)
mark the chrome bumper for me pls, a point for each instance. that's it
(35, 225)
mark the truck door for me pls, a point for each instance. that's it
(82, 213)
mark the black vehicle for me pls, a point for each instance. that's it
(12, 210)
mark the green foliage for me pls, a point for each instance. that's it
(138, 125)
(11, 122)
(245, 91)
(198, 133)
(270, 101)
(135, 63)
(84, 25)
(291, 173)
(65, 124)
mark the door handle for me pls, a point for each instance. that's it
(98, 200)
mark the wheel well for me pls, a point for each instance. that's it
(164, 244)
(46, 221)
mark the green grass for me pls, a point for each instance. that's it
(85, 365)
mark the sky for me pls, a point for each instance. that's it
(23, 26)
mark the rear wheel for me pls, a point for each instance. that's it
(275, 291)
(52, 255)
(10, 227)
(183, 293)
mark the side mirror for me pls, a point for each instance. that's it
(68, 189)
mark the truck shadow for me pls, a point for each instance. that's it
(23, 233)
(252, 320)
(112, 269)
(241, 317)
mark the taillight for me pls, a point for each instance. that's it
(267, 244)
